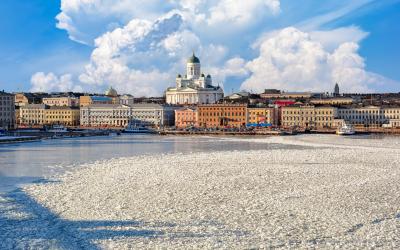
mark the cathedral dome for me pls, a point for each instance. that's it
(193, 59)
(111, 92)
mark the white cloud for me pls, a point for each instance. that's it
(331, 39)
(84, 20)
(293, 60)
(42, 82)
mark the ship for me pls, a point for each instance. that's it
(345, 129)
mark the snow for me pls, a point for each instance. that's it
(331, 192)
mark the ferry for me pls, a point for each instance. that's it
(58, 129)
(345, 129)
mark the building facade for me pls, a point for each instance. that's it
(118, 115)
(63, 101)
(7, 111)
(67, 116)
(32, 114)
(152, 114)
(105, 115)
(370, 115)
(41, 114)
(263, 115)
(222, 115)
(194, 87)
(309, 116)
(186, 117)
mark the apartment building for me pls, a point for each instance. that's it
(7, 110)
(222, 115)
(186, 117)
(309, 116)
(370, 115)
(261, 115)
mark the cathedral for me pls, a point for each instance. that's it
(194, 87)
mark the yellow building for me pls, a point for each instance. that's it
(66, 116)
(309, 116)
(260, 115)
(40, 114)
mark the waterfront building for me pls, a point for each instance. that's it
(105, 115)
(186, 117)
(152, 114)
(371, 115)
(118, 115)
(32, 114)
(67, 116)
(194, 87)
(42, 114)
(261, 115)
(7, 111)
(309, 116)
(62, 101)
(335, 101)
(90, 100)
(222, 115)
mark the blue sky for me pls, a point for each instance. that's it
(50, 45)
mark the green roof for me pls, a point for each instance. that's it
(193, 59)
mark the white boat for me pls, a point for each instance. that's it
(345, 129)
(137, 129)
(58, 129)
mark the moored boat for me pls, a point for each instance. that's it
(345, 129)
(58, 129)
(137, 129)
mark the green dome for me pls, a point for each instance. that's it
(193, 59)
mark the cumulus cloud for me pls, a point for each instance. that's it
(42, 82)
(85, 20)
(140, 45)
(293, 60)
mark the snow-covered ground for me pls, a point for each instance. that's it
(332, 192)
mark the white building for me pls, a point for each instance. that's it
(118, 115)
(7, 111)
(105, 115)
(371, 115)
(194, 87)
(153, 114)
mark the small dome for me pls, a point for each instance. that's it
(179, 76)
(111, 92)
(202, 75)
(193, 59)
(208, 76)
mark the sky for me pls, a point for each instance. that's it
(139, 46)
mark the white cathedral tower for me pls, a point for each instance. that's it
(194, 87)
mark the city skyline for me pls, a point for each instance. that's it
(91, 45)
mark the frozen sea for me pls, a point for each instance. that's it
(129, 192)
